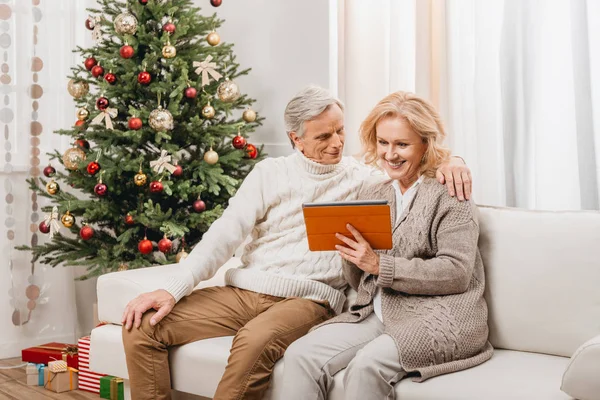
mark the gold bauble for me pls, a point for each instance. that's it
(211, 157)
(228, 91)
(140, 178)
(213, 38)
(249, 115)
(161, 119)
(126, 24)
(181, 256)
(73, 157)
(208, 111)
(83, 114)
(67, 219)
(169, 51)
(77, 89)
(52, 187)
(123, 267)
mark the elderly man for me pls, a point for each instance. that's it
(282, 289)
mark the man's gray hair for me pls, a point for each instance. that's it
(307, 105)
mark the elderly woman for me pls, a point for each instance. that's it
(420, 309)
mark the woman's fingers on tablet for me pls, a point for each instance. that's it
(356, 233)
(346, 240)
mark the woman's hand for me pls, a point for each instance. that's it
(359, 251)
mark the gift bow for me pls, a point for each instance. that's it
(96, 32)
(162, 163)
(106, 115)
(205, 68)
(52, 221)
(114, 387)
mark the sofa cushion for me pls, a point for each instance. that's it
(581, 376)
(542, 278)
(197, 368)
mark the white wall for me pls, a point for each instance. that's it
(286, 43)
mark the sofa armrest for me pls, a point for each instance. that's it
(117, 289)
(580, 379)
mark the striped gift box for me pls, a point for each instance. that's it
(88, 380)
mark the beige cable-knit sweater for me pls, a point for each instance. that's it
(433, 282)
(268, 206)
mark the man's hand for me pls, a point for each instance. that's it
(160, 300)
(457, 177)
(358, 252)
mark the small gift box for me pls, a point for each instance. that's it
(45, 353)
(35, 374)
(88, 380)
(111, 388)
(60, 381)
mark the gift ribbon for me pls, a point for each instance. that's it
(70, 370)
(106, 115)
(51, 220)
(69, 350)
(162, 163)
(205, 68)
(114, 388)
(40, 368)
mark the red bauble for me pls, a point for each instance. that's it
(169, 27)
(143, 2)
(145, 246)
(126, 51)
(49, 171)
(82, 144)
(44, 227)
(97, 71)
(79, 123)
(110, 78)
(89, 24)
(144, 78)
(156, 187)
(102, 103)
(190, 93)
(165, 245)
(101, 189)
(251, 150)
(129, 219)
(238, 142)
(93, 168)
(178, 170)
(134, 123)
(86, 232)
(90, 63)
(199, 206)
(216, 3)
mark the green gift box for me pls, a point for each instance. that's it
(111, 388)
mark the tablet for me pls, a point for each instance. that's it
(370, 217)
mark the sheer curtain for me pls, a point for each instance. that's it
(516, 81)
(37, 303)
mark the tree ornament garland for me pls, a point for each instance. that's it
(77, 89)
(126, 24)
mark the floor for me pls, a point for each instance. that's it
(13, 386)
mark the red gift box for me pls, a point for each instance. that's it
(45, 353)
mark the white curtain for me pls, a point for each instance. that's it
(516, 81)
(36, 39)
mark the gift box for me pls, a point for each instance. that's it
(35, 374)
(45, 353)
(111, 388)
(88, 380)
(60, 381)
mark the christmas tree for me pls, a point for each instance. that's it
(160, 142)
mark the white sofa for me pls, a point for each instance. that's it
(543, 294)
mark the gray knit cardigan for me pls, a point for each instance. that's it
(432, 282)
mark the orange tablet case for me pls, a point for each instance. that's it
(323, 221)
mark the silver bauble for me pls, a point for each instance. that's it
(126, 24)
(161, 119)
(228, 91)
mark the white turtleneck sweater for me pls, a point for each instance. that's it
(268, 205)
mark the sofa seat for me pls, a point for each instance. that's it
(508, 375)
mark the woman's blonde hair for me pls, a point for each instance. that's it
(422, 118)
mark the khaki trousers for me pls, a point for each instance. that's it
(263, 326)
